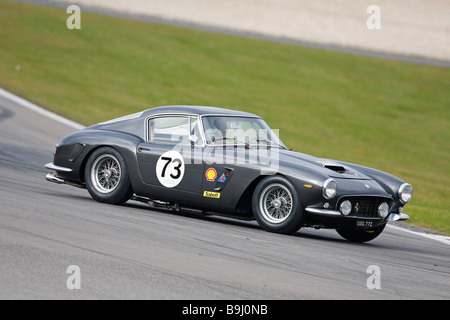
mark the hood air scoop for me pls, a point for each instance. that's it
(339, 169)
(336, 168)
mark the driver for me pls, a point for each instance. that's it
(221, 125)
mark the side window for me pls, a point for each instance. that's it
(170, 129)
(173, 129)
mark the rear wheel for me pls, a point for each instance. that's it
(107, 178)
(276, 205)
(363, 235)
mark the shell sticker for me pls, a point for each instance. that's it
(211, 174)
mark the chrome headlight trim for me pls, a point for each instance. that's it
(405, 193)
(329, 189)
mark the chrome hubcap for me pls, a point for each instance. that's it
(275, 203)
(105, 173)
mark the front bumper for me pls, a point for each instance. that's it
(326, 218)
(393, 216)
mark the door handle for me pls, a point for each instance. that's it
(140, 149)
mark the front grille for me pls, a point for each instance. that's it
(365, 207)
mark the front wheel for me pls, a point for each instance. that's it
(276, 205)
(107, 178)
(363, 235)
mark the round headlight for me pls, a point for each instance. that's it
(329, 189)
(383, 210)
(405, 193)
(346, 207)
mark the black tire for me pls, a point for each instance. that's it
(277, 206)
(107, 178)
(362, 235)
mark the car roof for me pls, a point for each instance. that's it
(196, 110)
(133, 123)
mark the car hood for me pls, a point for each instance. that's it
(327, 167)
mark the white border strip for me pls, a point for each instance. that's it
(436, 237)
(27, 104)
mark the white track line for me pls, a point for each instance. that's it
(29, 105)
(436, 237)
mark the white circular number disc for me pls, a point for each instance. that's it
(170, 169)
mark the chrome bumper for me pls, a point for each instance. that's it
(324, 212)
(398, 217)
(394, 216)
(53, 166)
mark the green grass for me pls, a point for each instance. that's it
(389, 115)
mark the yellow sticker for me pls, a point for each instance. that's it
(209, 194)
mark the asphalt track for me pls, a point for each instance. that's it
(133, 252)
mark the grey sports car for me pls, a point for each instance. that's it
(218, 161)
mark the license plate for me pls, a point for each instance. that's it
(364, 223)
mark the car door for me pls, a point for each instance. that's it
(170, 160)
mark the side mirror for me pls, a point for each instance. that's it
(193, 139)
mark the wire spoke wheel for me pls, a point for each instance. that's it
(275, 203)
(106, 176)
(106, 173)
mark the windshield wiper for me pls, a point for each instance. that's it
(270, 142)
(226, 138)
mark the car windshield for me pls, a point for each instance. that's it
(221, 130)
